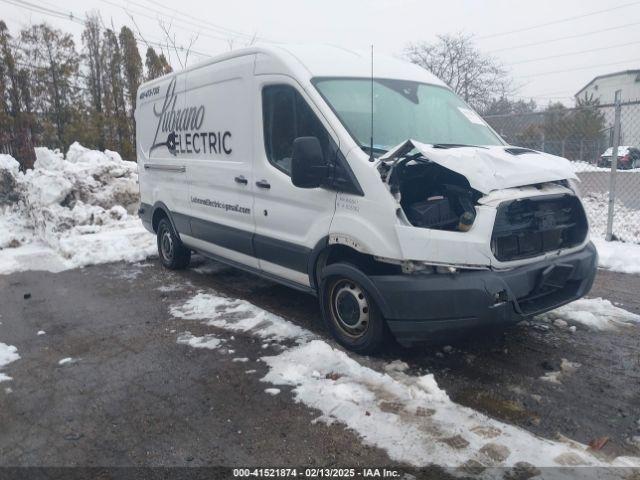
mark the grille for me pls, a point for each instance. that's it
(529, 227)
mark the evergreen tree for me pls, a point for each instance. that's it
(132, 65)
(92, 39)
(115, 109)
(15, 128)
(53, 72)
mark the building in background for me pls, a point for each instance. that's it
(603, 89)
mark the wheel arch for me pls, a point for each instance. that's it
(351, 272)
(160, 211)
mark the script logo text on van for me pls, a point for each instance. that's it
(182, 129)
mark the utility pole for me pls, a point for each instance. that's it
(614, 165)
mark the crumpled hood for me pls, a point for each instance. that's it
(493, 168)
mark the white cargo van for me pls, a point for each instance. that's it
(264, 159)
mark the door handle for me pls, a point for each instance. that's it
(241, 179)
(263, 184)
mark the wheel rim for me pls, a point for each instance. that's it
(350, 308)
(166, 245)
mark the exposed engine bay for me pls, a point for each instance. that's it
(529, 221)
(430, 195)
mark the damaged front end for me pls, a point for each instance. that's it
(481, 207)
(481, 245)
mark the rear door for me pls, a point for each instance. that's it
(215, 140)
(290, 221)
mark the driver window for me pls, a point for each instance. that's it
(286, 116)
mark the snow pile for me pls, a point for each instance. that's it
(8, 354)
(409, 416)
(593, 313)
(71, 211)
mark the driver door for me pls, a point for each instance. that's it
(290, 221)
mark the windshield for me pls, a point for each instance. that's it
(403, 110)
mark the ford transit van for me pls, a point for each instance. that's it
(387, 197)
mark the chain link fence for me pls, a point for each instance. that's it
(586, 135)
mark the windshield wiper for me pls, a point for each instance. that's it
(454, 145)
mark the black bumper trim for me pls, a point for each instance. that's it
(417, 306)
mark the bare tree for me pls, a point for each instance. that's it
(181, 53)
(231, 41)
(478, 78)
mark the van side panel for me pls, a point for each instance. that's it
(162, 175)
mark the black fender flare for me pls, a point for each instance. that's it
(162, 206)
(349, 271)
(312, 262)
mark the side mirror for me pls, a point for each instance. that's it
(308, 167)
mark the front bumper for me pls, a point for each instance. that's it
(418, 307)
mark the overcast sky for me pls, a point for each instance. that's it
(390, 25)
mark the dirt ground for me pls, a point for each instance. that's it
(133, 396)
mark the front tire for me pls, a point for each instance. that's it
(352, 316)
(172, 253)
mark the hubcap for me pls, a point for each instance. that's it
(166, 245)
(349, 308)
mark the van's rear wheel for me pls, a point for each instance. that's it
(351, 315)
(172, 253)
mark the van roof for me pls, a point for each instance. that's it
(327, 61)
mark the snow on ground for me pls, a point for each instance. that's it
(618, 256)
(8, 354)
(66, 360)
(580, 166)
(596, 206)
(566, 369)
(409, 416)
(593, 313)
(69, 212)
(238, 316)
(208, 341)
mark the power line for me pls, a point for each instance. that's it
(207, 24)
(540, 74)
(70, 16)
(593, 32)
(188, 29)
(555, 22)
(137, 12)
(44, 10)
(573, 53)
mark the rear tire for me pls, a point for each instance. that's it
(172, 253)
(352, 316)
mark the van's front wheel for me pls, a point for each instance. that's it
(351, 315)
(172, 253)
